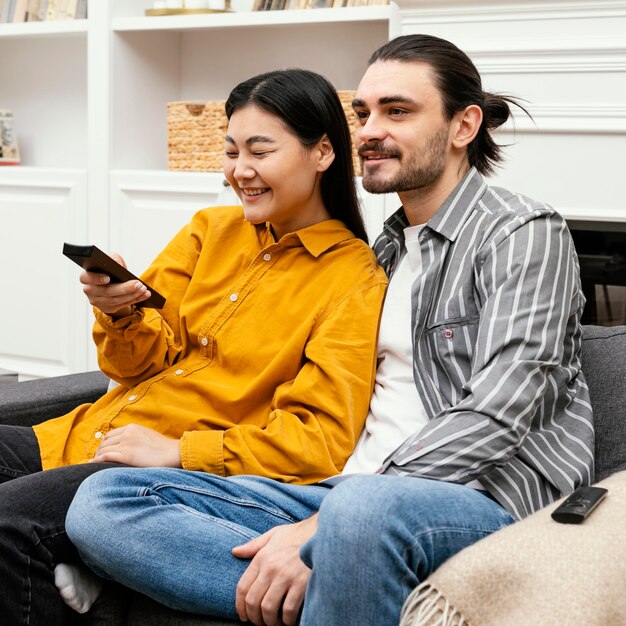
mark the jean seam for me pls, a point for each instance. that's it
(148, 491)
(9, 471)
(217, 520)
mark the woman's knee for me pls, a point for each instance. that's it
(94, 507)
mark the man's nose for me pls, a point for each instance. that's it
(372, 130)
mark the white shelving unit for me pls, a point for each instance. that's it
(89, 99)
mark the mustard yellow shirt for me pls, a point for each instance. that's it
(262, 360)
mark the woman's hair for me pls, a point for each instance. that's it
(460, 85)
(310, 108)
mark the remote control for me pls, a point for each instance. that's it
(93, 259)
(578, 505)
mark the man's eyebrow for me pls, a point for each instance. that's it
(393, 99)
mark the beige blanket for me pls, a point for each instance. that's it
(536, 572)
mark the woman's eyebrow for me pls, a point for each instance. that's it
(259, 139)
(251, 140)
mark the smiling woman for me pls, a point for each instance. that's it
(255, 364)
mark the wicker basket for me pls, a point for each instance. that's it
(346, 98)
(196, 130)
(195, 136)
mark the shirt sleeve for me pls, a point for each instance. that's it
(317, 417)
(528, 284)
(134, 348)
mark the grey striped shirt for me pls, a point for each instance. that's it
(496, 348)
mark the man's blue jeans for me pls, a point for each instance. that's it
(168, 533)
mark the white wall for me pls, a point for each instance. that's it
(568, 60)
(94, 145)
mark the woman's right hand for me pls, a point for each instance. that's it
(114, 299)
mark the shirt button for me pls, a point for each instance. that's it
(178, 372)
(448, 333)
(267, 257)
(233, 297)
(131, 398)
(204, 341)
(98, 435)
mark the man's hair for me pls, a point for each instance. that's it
(310, 108)
(459, 83)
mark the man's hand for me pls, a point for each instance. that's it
(138, 446)
(114, 299)
(276, 577)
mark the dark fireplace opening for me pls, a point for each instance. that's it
(601, 249)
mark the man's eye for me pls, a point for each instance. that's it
(259, 154)
(396, 111)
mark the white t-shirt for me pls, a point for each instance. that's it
(396, 410)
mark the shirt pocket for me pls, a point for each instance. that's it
(451, 344)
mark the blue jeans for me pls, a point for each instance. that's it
(168, 533)
(380, 536)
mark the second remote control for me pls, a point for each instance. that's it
(578, 505)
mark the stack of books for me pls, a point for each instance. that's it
(281, 5)
(9, 152)
(42, 10)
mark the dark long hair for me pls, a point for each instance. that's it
(310, 107)
(460, 85)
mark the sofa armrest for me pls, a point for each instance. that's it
(34, 401)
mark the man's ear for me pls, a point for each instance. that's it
(465, 125)
(325, 154)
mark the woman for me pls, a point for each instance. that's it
(261, 361)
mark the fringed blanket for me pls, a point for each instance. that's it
(536, 572)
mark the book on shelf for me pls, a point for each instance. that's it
(15, 11)
(283, 5)
(9, 152)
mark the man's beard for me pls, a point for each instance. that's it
(421, 170)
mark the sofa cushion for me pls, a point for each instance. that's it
(604, 366)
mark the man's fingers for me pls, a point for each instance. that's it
(292, 604)
(243, 586)
(249, 549)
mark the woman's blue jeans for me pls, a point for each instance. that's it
(169, 533)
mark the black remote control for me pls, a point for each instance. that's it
(578, 505)
(93, 259)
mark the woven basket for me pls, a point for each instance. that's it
(196, 130)
(346, 98)
(195, 136)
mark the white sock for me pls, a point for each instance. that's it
(78, 586)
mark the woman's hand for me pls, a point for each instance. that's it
(114, 299)
(271, 590)
(138, 446)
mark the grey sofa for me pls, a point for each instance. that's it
(604, 364)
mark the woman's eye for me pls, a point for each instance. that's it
(259, 154)
(230, 155)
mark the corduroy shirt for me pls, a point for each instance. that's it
(262, 360)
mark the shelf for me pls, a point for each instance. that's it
(44, 29)
(253, 19)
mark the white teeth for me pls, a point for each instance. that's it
(253, 192)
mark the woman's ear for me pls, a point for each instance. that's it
(466, 124)
(325, 154)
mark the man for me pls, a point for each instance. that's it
(480, 413)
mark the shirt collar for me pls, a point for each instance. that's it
(453, 212)
(316, 239)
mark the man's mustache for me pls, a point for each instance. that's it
(379, 148)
